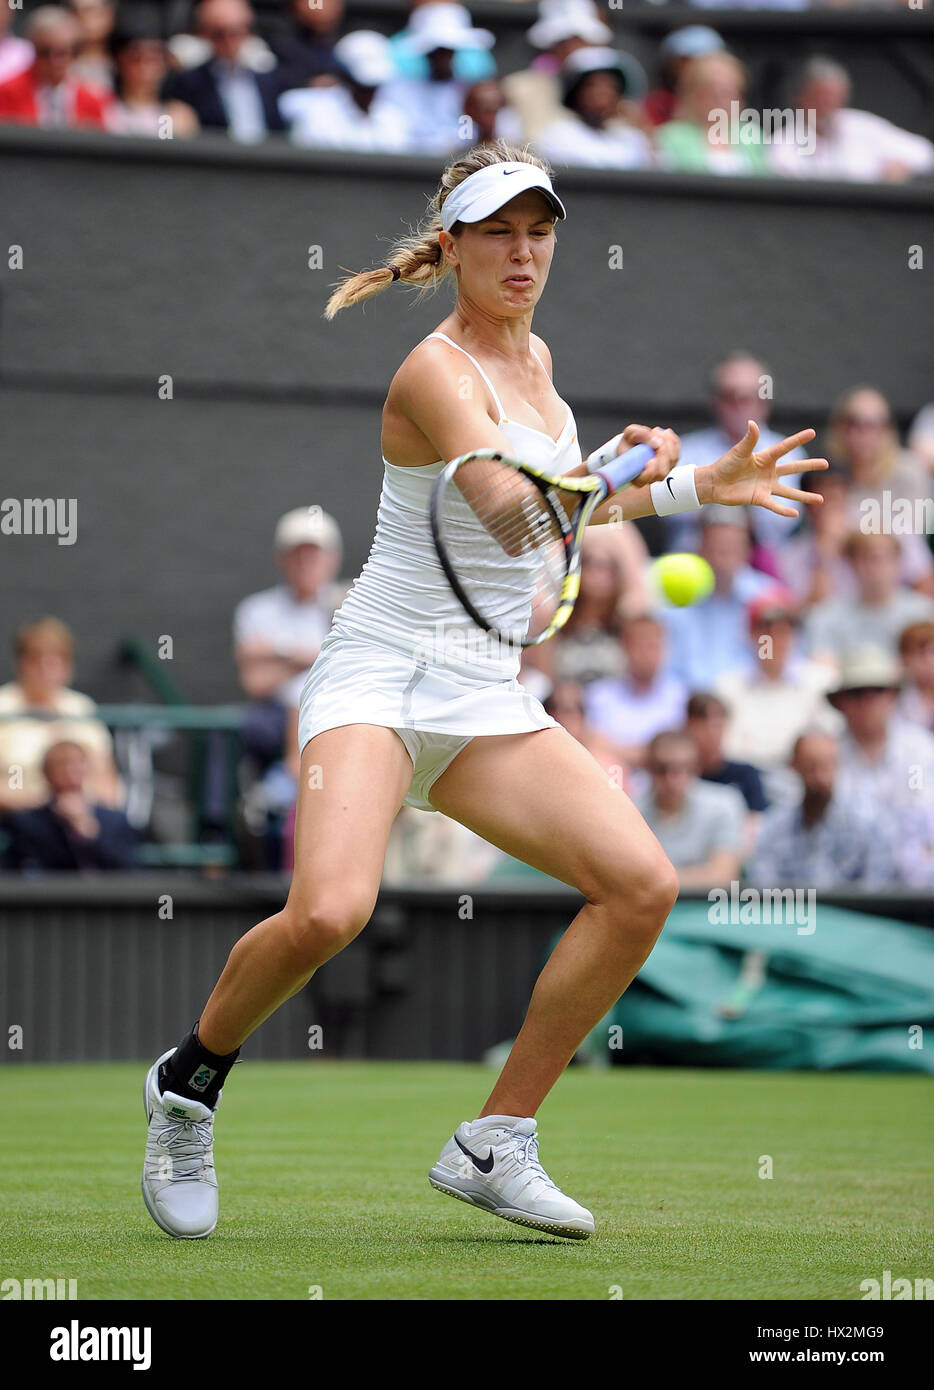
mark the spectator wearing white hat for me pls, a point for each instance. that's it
(596, 130)
(469, 64)
(277, 632)
(675, 52)
(885, 761)
(433, 106)
(562, 27)
(356, 114)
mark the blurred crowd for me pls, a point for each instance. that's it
(307, 73)
(781, 731)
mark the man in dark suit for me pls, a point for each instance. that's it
(69, 832)
(225, 93)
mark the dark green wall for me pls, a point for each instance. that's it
(147, 259)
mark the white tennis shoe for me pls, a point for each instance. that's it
(493, 1164)
(179, 1182)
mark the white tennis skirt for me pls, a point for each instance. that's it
(434, 710)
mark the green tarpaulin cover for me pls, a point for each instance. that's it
(856, 992)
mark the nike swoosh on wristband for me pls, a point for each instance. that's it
(671, 489)
(483, 1165)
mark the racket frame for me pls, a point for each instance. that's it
(592, 489)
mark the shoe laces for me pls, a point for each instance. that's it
(526, 1151)
(188, 1142)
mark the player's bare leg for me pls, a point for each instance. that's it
(542, 798)
(351, 784)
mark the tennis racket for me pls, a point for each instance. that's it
(509, 537)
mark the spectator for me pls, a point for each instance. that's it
(710, 638)
(631, 709)
(16, 54)
(94, 64)
(277, 632)
(880, 608)
(824, 840)
(813, 562)
(885, 761)
(225, 92)
(566, 704)
(863, 440)
(468, 65)
(488, 116)
(305, 50)
(921, 436)
(846, 143)
(598, 130)
(353, 115)
(562, 27)
(706, 724)
(588, 647)
(699, 139)
(138, 109)
(916, 649)
(70, 831)
(46, 94)
(699, 825)
(777, 694)
(675, 52)
(39, 709)
(914, 851)
(433, 106)
(740, 390)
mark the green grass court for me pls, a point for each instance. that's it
(323, 1178)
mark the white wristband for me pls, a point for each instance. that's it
(676, 492)
(607, 451)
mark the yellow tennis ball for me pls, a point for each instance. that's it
(683, 579)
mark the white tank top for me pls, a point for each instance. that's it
(401, 598)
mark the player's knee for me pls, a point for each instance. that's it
(319, 929)
(642, 893)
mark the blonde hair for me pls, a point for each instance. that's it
(889, 448)
(46, 634)
(416, 259)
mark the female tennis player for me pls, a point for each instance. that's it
(393, 712)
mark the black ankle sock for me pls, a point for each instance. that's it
(195, 1073)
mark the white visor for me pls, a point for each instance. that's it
(484, 192)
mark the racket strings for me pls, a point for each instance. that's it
(515, 583)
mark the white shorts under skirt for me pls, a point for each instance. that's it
(436, 712)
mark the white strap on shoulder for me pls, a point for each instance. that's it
(489, 385)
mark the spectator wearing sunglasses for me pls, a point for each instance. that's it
(46, 94)
(740, 390)
(885, 762)
(698, 824)
(225, 92)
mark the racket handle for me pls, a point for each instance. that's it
(622, 469)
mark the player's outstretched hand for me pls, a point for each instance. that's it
(747, 477)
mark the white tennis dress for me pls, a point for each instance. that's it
(402, 652)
